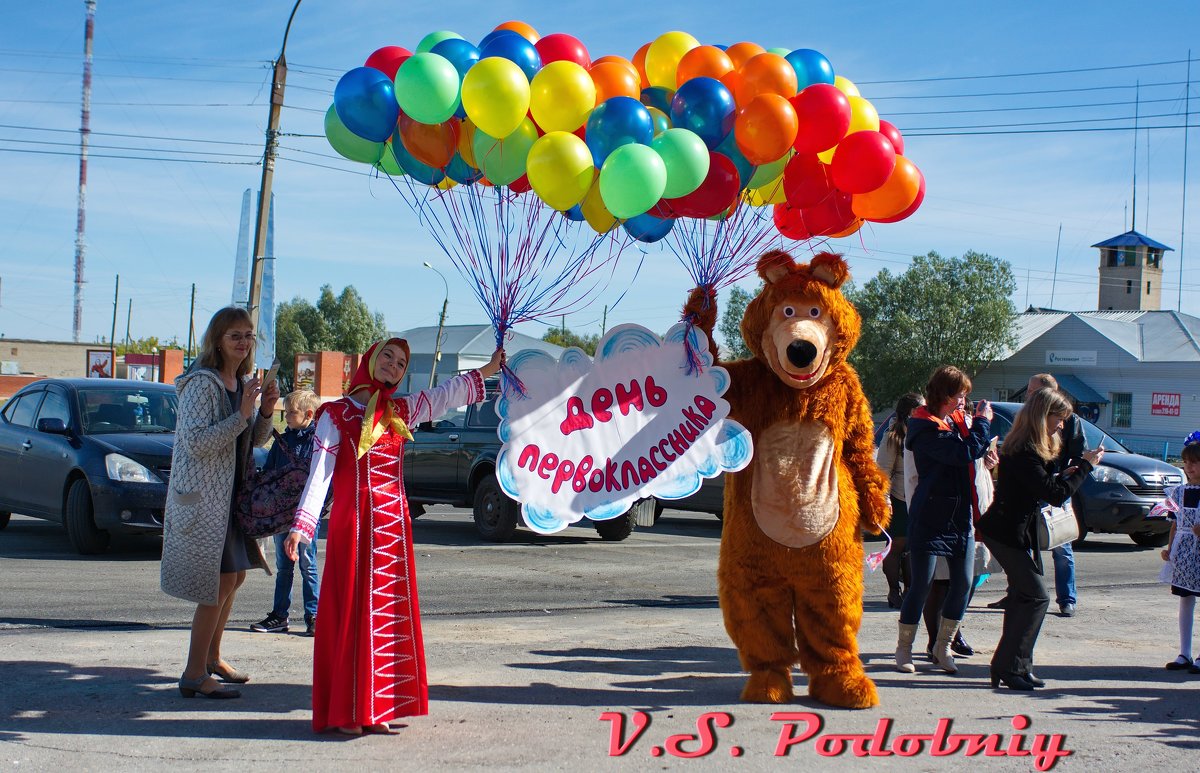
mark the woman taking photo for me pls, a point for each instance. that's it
(942, 510)
(1029, 475)
(205, 555)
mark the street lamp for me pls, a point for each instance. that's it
(437, 348)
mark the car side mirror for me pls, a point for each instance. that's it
(52, 426)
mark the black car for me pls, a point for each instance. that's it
(93, 454)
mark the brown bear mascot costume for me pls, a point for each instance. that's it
(790, 578)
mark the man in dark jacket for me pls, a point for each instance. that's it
(1074, 444)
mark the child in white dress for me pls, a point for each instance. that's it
(1182, 554)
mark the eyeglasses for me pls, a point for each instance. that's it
(237, 338)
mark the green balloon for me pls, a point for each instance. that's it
(503, 161)
(388, 162)
(427, 88)
(432, 39)
(686, 158)
(768, 172)
(347, 143)
(633, 180)
(780, 51)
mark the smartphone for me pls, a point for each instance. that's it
(272, 373)
(994, 443)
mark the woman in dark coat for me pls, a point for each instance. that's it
(945, 446)
(1029, 475)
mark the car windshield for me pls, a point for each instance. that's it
(109, 410)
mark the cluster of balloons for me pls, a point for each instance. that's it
(680, 130)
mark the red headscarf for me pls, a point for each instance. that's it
(380, 412)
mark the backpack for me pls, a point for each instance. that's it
(266, 504)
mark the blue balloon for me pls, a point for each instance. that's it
(365, 101)
(811, 67)
(648, 228)
(421, 172)
(463, 55)
(488, 38)
(706, 107)
(615, 122)
(744, 168)
(514, 48)
(461, 172)
(575, 214)
(658, 96)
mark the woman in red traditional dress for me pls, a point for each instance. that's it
(369, 659)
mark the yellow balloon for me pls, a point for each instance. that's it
(846, 86)
(771, 193)
(560, 169)
(826, 156)
(561, 97)
(863, 116)
(597, 215)
(662, 58)
(446, 184)
(495, 94)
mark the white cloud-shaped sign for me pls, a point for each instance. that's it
(588, 438)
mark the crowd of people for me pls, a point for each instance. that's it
(962, 510)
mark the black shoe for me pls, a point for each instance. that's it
(310, 625)
(1033, 680)
(1001, 603)
(1180, 664)
(1194, 669)
(960, 647)
(272, 623)
(895, 598)
(1066, 610)
(1012, 681)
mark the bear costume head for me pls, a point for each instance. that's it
(801, 325)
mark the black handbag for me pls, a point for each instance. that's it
(266, 504)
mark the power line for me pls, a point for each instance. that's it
(126, 147)
(1031, 74)
(129, 136)
(132, 158)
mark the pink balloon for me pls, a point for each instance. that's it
(863, 162)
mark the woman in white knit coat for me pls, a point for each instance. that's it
(205, 555)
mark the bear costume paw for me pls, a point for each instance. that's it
(769, 685)
(850, 691)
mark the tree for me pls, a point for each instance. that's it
(341, 323)
(731, 322)
(941, 311)
(565, 337)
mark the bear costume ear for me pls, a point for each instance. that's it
(830, 268)
(775, 265)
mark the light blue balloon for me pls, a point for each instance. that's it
(811, 67)
(365, 101)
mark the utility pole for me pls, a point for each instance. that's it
(1054, 281)
(192, 323)
(268, 172)
(1187, 104)
(604, 321)
(84, 130)
(112, 338)
(128, 317)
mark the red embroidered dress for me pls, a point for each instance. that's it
(369, 658)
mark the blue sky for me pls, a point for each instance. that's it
(188, 79)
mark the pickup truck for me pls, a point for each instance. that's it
(452, 461)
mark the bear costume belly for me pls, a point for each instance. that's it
(795, 486)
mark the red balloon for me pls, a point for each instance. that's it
(889, 130)
(520, 185)
(823, 114)
(863, 162)
(831, 216)
(663, 210)
(559, 47)
(790, 222)
(430, 143)
(715, 194)
(806, 181)
(388, 59)
(911, 207)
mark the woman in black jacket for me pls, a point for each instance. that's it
(945, 445)
(1029, 475)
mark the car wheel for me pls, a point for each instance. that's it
(81, 525)
(1150, 540)
(416, 511)
(643, 512)
(658, 509)
(495, 513)
(4, 519)
(615, 529)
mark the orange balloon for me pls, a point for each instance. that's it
(466, 145)
(614, 79)
(613, 58)
(703, 62)
(732, 80)
(891, 198)
(639, 62)
(766, 74)
(522, 29)
(432, 144)
(857, 224)
(740, 53)
(765, 129)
